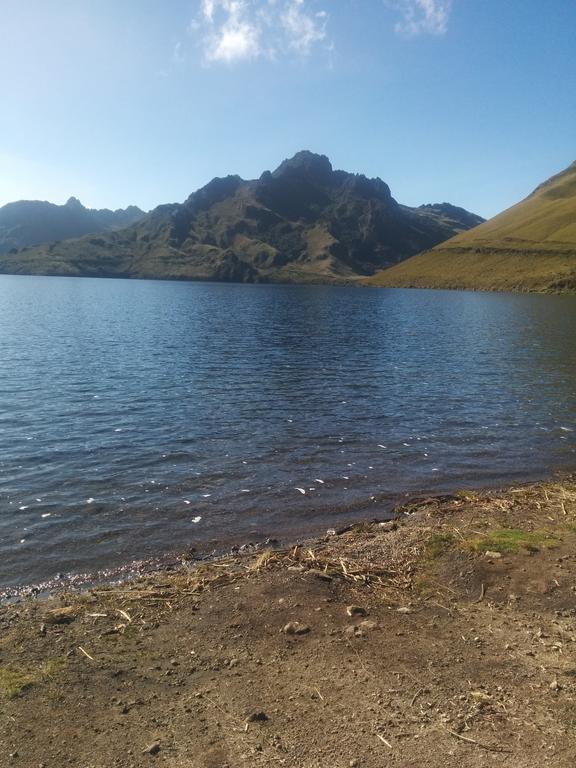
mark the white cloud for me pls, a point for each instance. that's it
(301, 28)
(231, 33)
(238, 30)
(422, 17)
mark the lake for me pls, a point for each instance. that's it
(139, 418)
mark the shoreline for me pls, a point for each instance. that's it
(172, 560)
(357, 281)
(442, 637)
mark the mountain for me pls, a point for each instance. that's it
(31, 222)
(529, 247)
(304, 222)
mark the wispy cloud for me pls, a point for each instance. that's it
(420, 17)
(238, 30)
(301, 28)
(177, 53)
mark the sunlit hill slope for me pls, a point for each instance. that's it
(529, 247)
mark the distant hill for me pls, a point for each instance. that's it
(529, 247)
(304, 222)
(31, 222)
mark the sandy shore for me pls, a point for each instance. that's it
(446, 638)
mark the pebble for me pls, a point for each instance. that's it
(493, 555)
(61, 615)
(257, 717)
(480, 696)
(356, 610)
(295, 628)
(368, 625)
(322, 575)
(404, 609)
(152, 749)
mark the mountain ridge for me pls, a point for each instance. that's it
(25, 223)
(302, 222)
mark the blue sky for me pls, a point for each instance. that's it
(143, 101)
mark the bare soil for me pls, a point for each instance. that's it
(460, 651)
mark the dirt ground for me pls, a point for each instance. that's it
(447, 638)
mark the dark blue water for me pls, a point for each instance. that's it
(138, 418)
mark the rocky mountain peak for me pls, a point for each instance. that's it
(305, 165)
(453, 212)
(366, 188)
(215, 191)
(74, 203)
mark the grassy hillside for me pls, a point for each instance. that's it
(303, 223)
(529, 247)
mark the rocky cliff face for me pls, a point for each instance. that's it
(304, 222)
